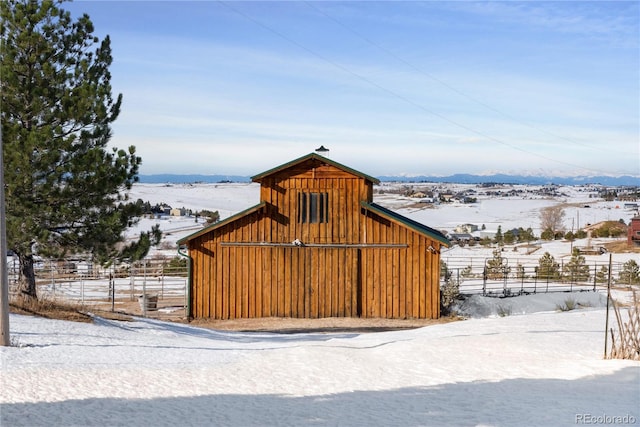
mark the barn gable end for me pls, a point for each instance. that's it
(315, 246)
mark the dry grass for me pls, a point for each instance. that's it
(50, 309)
(329, 324)
(62, 310)
(621, 246)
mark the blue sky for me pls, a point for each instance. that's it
(415, 88)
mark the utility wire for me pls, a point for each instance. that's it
(398, 96)
(448, 86)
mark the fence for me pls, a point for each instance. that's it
(513, 277)
(148, 288)
(156, 288)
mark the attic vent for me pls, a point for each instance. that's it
(313, 208)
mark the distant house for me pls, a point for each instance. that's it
(633, 206)
(466, 228)
(633, 232)
(178, 212)
(315, 246)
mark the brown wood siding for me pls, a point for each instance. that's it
(234, 276)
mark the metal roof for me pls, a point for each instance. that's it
(213, 226)
(407, 222)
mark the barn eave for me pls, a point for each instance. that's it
(222, 223)
(406, 222)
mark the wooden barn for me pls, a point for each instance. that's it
(315, 246)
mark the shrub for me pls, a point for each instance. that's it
(569, 304)
(503, 311)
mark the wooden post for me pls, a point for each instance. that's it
(4, 278)
(606, 322)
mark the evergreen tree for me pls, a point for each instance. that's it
(576, 269)
(548, 268)
(602, 276)
(65, 189)
(630, 273)
(547, 234)
(509, 237)
(498, 238)
(496, 267)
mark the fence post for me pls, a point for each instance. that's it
(112, 290)
(144, 289)
(547, 290)
(162, 282)
(131, 282)
(484, 281)
(606, 322)
(53, 279)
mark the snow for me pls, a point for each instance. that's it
(512, 362)
(543, 368)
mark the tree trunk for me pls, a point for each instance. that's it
(27, 279)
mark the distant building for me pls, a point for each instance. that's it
(633, 232)
(466, 228)
(177, 212)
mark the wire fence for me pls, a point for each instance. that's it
(506, 278)
(152, 287)
(158, 287)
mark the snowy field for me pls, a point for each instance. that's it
(513, 362)
(506, 211)
(543, 368)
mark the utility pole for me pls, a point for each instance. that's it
(4, 278)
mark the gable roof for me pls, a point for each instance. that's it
(407, 222)
(317, 157)
(215, 225)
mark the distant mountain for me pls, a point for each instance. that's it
(460, 178)
(520, 179)
(186, 179)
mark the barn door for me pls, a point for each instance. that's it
(331, 282)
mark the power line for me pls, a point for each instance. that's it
(398, 96)
(448, 86)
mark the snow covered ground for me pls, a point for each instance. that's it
(513, 362)
(541, 368)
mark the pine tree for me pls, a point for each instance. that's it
(498, 238)
(576, 269)
(602, 276)
(548, 268)
(496, 267)
(64, 187)
(630, 273)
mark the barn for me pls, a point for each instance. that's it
(314, 246)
